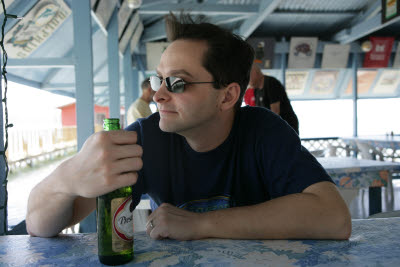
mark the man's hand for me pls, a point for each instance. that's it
(107, 161)
(276, 107)
(168, 221)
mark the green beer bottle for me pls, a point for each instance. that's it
(114, 220)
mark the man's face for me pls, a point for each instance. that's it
(194, 108)
(150, 93)
(255, 79)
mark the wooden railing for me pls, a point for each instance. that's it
(27, 146)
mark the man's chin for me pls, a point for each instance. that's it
(166, 127)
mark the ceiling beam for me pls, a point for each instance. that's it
(201, 9)
(154, 32)
(372, 10)
(316, 13)
(157, 30)
(220, 21)
(265, 8)
(62, 92)
(65, 62)
(57, 86)
(365, 23)
(310, 13)
(362, 29)
(52, 73)
(20, 80)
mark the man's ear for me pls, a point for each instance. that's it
(230, 96)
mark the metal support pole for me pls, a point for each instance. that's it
(128, 80)
(136, 84)
(113, 65)
(84, 83)
(283, 65)
(355, 94)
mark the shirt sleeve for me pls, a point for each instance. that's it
(275, 89)
(287, 167)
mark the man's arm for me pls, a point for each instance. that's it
(276, 107)
(319, 212)
(107, 161)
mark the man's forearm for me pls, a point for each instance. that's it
(296, 216)
(48, 212)
(50, 209)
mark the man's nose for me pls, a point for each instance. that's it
(162, 94)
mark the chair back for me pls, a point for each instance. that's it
(368, 151)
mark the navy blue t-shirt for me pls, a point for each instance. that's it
(261, 159)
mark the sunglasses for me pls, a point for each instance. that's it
(173, 84)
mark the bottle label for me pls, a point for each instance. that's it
(122, 223)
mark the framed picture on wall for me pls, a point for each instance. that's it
(390, 9)
(324, 82)
(388, 82)
(365, 79)
(335, 56)
(302, 52)
(296, 82)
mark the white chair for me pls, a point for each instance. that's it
(333, 150)
(367, 151)
(319, 153)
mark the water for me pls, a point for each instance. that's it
(20, 185)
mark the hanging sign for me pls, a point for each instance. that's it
(390, 9)
(302, 52)
(396, 63)
(379, 55)
(36, 27)
(335, 56)
(263, 51)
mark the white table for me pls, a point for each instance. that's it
(349, 172)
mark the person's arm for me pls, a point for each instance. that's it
(276, 107)
(275, 93)
(107, 161)
(318, 212)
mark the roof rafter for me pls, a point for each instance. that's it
(65, 62)
(366, 23)
(265, 8)
(201, 9)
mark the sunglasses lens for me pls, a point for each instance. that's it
(175, 85)
(155, 83)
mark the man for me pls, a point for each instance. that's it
(140, 108)
(271, 94)
(214, 169)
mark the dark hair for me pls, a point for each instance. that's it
(228, 58)
(146, 83)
